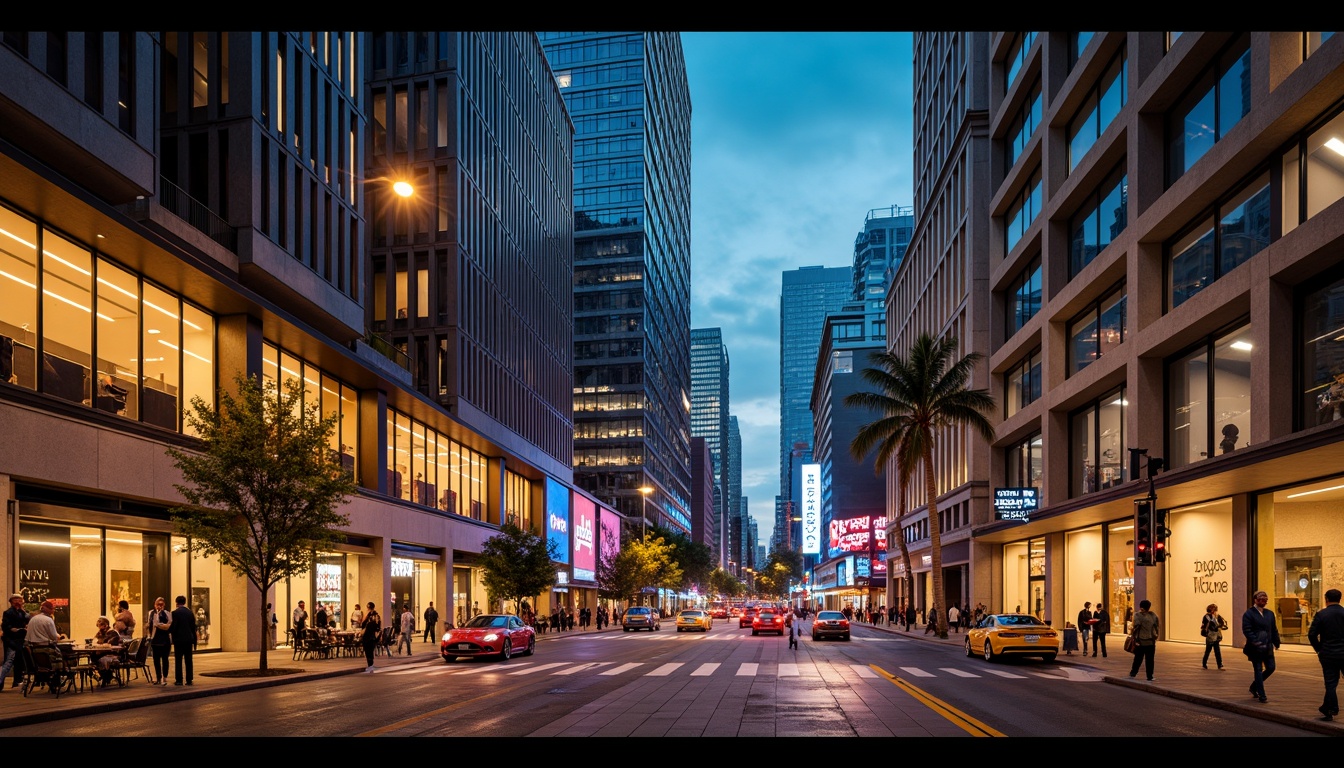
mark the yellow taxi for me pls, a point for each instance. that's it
(692, 618)
(1016, 634)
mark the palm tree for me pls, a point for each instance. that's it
(919, 397)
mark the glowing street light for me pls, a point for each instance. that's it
(644, 490)
(403, 188)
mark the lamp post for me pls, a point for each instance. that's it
(644, 491)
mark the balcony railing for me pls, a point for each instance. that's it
(387, 349)
(195, 213)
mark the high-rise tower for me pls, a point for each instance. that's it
(709, 418)
(630, 103)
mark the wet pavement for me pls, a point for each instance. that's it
(1294, 691)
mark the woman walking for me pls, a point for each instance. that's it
(1262, 637)
(1212, 629)
(372, 625)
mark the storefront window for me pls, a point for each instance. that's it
(1024, 577)
(1083, 561)
(1300, 540)
(1119, 599)
(1202, 574)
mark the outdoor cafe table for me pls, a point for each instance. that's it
(73, 652)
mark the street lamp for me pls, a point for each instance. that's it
(644, 491)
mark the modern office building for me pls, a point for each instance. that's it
(807, 295)
(1197, 174)
(628, 97)
(733, 468)
(850, 564)
(709, 419)
(179, 207)
(879, 249)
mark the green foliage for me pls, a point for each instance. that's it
(919, 398)
(721, 582)
(694, 558)
(518, 564)
(639, 564)
(263, 491)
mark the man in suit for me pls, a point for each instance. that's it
(1100, 630)
(1327, 637)
(183, 632)
(1085, 624)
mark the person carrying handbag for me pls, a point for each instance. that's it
(1212, 628)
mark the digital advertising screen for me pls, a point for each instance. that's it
(557, 518)
(585, 538)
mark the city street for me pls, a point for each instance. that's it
(721, 683)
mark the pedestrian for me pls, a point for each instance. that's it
(932, 625)
(42, 625)
(909, 616)
(1212, 629)
(320, 620)
(124, 622)
(431, 621)
(356, 618)
(954, 618)
(407, 628)
(1101, 626)
(14, 626)
(1262, 637)
(160, 639)
(299, 623)
(372, 627)
(275, 626)
(1085, 624)
(183, 631)
(1145, 634)
(1326, 636)
(793, 631)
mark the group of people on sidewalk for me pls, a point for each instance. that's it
(163, 630)
(1260, 628)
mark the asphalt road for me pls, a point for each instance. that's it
(723, 683)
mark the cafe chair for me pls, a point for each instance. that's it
(385, 642)
(134, 662)
(46, 666)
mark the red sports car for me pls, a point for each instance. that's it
(489, 634)
(767, 621)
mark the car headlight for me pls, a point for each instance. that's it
(490, 638)
(446, 637)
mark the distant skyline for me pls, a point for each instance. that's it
(795, 136)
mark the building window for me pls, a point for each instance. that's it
(1097, 330)
(1321, 328)
(1205, 253)
(1077, 44)
(1219, 99)
(1023, 211)
(1312, 41)
(1023, 465)
(1022, 384)
(1209, 391)
(430, 469)
(1311, 185)
(1023, 126)
(1024, 296)
(1097, 457)
(1103, 217)
(1104, 101)
(1017, 58)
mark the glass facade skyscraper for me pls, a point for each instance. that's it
(629, 100)
(807, 296)
(709, 419)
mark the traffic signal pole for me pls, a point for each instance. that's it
(1150, 523)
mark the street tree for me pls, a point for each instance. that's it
(638, 565)
(517, 564)
(920, 398)
(694, 558)
(723, 583)
(262, 493)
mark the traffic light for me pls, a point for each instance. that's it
(1145, 542)
(1160, 534)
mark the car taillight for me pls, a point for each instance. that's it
(844, 623)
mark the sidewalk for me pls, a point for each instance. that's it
(1294, 691)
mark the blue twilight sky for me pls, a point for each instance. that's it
(795, 136)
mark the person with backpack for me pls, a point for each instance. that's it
(1211, 627)
(372, 627)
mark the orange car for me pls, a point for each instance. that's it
(767, 621)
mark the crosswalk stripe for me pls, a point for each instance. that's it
(1009, 675)
(788, 670)
(582, 667)
(621, 669)
(957, 672)
(862, 670)
(538, 668)
(705, 669)
(664, 670)
(916, 671)
(748, 669)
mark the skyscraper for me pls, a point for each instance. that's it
(709, 418)
(630, 103)
(737, 503)
(807, 296)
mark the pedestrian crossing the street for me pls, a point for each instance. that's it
(751, 669)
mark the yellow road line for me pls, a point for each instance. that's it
(951, 713)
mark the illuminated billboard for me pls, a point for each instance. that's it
(609, 537)
(557, 519)
(585, 540)
(856, 534)
(810, 504)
